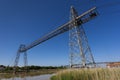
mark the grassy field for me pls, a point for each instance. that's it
(88, 74)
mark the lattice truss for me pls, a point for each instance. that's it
(80, 52)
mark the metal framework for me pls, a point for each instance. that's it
(75, 22)
(80, 52)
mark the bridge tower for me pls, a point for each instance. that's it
(80, 52)
(22, 46)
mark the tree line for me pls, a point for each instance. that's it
(30, 68)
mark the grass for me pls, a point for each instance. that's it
(88, 74)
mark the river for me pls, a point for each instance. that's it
(41, 77)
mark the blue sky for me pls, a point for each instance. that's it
(23, 21)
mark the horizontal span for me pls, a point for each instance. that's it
(83, 18)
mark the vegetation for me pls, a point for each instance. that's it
(7, 71)
(88, 74)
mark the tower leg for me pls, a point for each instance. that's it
(16, 61)
(25, 61)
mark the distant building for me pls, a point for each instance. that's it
(113, 65)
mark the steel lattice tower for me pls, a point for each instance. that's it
(18, 56)
(80, 52)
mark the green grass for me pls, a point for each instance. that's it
(88, 74)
